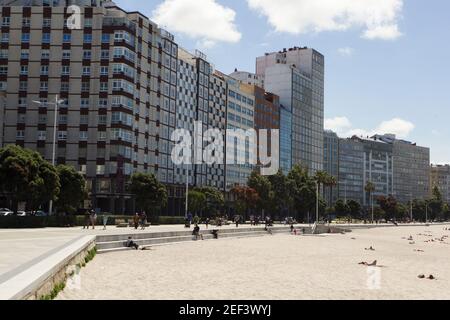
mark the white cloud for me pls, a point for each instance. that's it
(344, 128)
(346, 52)
(338, 124)
(378, 18)
(205, 20)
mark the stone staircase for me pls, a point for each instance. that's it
(111, 243)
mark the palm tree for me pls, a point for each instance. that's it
(331, 183)
(370, 189)
(321, 178)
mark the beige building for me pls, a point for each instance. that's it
(117, 77)
(440, 177)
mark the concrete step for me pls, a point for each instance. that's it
(109, 246)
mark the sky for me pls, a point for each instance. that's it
(387, 61)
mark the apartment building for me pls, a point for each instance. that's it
(116, 77)
(440, 177)
(297, 77)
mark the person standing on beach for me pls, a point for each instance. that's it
(143, 220)
(207, 222)
(86, 220)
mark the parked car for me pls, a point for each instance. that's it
(5, 212)
(21, 214)
(40, 214)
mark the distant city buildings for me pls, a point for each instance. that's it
(395, 167)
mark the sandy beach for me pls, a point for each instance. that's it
(278, 267)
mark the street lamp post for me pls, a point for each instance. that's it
(55, 121)
(317, 202)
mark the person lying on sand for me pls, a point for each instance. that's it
(373, 264)
(430, 277)
(131, 244)
(370, 249)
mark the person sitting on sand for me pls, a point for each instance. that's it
(131, 244)
(370, 249)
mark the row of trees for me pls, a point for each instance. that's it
(26, 177)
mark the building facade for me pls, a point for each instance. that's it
(297, 77)
(440, 178)
(117, 79)
(239, 150)
(248, 78)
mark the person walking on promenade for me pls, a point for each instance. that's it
(207, 222)
(93, 216)
(105, 221)
(143, 220)
(236, 220)
(86, 220)
(136, 221)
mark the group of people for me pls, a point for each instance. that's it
(140, 219)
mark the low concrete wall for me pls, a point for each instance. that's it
(41, 277)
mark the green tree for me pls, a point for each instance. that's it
(73, 189)
(214, 200)
(303, 189)
(342, 208)
(389, 205)
(263, 187)
(196, 201)
(150, 194)
(246, 199)
(436, 204)
(322, 178)
(281, 196)
(354, 209)
(331, 183)
(26, 176)
(419, 209)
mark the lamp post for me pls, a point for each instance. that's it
(317, 202)
(56, 104)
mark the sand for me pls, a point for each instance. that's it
(276, 268)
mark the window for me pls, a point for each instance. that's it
(46, 38)
(63, 118)
(65, 70)
(26, 22)
(104, 71)
(21, 118)
(44, 86)
(45, 54)
(20, 135)
(66, 54)
(25, 37)
(6, 21)
(87, 54)
(85, 86)
(5, 37)
(86, 71)
(84, 119)
(64, 86)
(42, 135)
(100, 169)
(87, 38)
(105, 54)
(24, 54)
(83, 135)
(3, 70)
(46, 23)
(106, 38)
(3, 85)
(3, 54)
(23, 70)
(85, 102)
(102, 119)
(44, 70)
(104, 86)
(67, 37)
(23, 85)
(101, 135)
(88, 22)
(62, 135)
